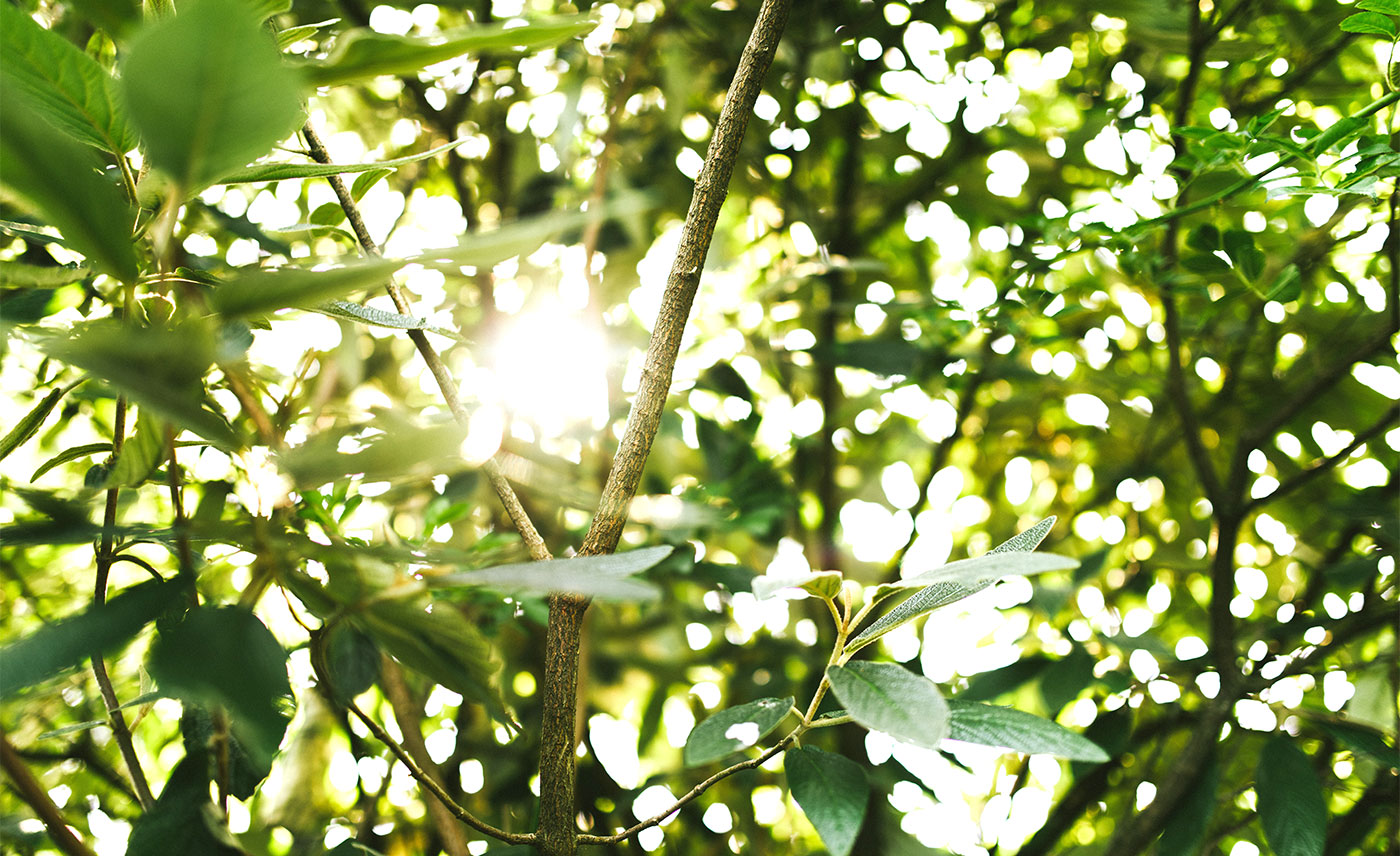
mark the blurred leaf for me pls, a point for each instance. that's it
(888, 697)
(291, 35)
(1369, 23)
(603, 577)
(114, 16)
(985, 686)
(61, 180)
(1248, 259)
(63, 84)
(225, 657)
(21, 275)
(183, 819)
(68, 643)
(380, 318)
(823, 584)
(263, 172)
(734, 729)
(1008, 728)
(260, 292)
(141, 453)
(159, 368)
(33, 420)
(1186, 827)
(1363, 740)
(209, 91)
(363, 53)
(400, 451)
(352, 661)
(1292, 808)
(832, 791)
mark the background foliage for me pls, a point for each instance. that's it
(1133, 265)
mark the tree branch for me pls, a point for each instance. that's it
(1323, 465)
(28, 789)
(518, 516)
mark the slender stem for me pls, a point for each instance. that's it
(120, 732)
(1323, 465)
(518, 516)
(28, 789)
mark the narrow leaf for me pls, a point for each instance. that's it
(225, 657)
(260, 172)
(380, 318)
(65, 85)
(209, 91)
(990, 725)
(360, 53)
(1027, 541)
(32, 422)
(888, 697)
(484, 249)
(68, 643)
(60, 179)
(21, 275)
(73, 454)
(260, 292)
(1292, 808)
(832, 791)
(734, 730)
(594, 576)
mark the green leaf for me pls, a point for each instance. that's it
(352, 661)
(223, 656)
(734, 730)
(832, 791)
(380, 318)
(1363, 740)
(990, 725)
(1287, 286)
(602, 577)
(68, 643)
(261, 172)
(823, 584)
(260, 292)
(402, 449)
(954, 582)
(183, 819)
(160, 368)
(209, 91)
(73, 454)
(141, 453)
(1248, 259)
(61, 180)
(290, 36)
(21, 275)
(1186, 827)
(361, 53)
(1386, 7)
(31, 423)
(1338, 134)
(114, 16)
(66, 86)
(365, 180)
(1292, 808)
(1369, 23)
(441, 644)
(888, 697)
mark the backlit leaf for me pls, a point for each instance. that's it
(888, 697)
(734, 729)
(261, 172)
(604, 577)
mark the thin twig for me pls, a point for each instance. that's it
(694, 792)
(1322, 466)
(28, 789)
(518, 516)
(120, 732)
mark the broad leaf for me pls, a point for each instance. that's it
(68, 643)
(604, 577)
(734, 730)
(352, 661)
(1388, 7)
(823, 584)
(65, 85)
(259, 292)
(21, 275)
(183, 819)
(161, 368)
(1292, 808)
(1369, 23)
(402, 450)
(60, 179)
(832, 791)
(140, 454)
(359, 54)
(888, 697)
(225, 657)
(209, 91)
(990, 725)
(260, 172)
